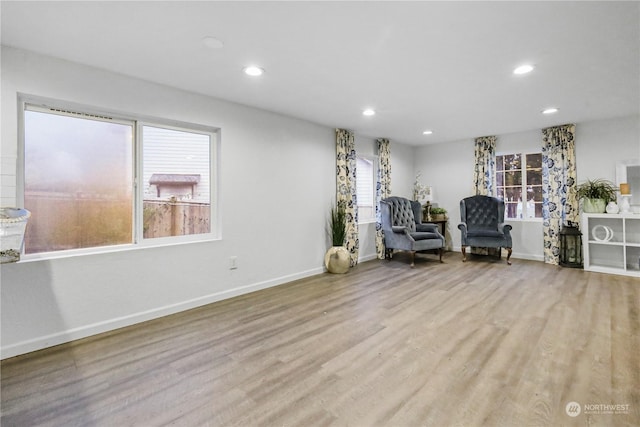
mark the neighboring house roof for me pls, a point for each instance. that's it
(174, 178)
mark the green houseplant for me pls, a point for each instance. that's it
(338, 223)
(337, 258)
(595, 194)
(438, 214)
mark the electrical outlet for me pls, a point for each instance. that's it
(233, 263)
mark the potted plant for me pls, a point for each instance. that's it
(438, 214)
(595, 194)
(337, 258)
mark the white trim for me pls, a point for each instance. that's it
(368, 257)
(72, 334)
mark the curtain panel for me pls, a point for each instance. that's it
(559, 198)
(383, 189)
(346, 188)
(484, 174)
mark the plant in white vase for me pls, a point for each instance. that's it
(596, 194)
(337, 258)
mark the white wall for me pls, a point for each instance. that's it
(448, 168)
(277, 184)
(601, 144)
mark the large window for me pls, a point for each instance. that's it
(94, 181)
(519, 184)
(366, 189)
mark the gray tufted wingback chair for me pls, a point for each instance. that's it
(482, 224)
(403, 228)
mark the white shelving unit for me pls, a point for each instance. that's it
(611, 243)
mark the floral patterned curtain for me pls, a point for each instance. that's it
(559, 199)
(484, 174)
(346, 188)
(383, 189)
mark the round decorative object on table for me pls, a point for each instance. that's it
(598, 230)
(612, 208)
(337, 260)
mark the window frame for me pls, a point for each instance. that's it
(523, 181)
(374, 173)
(53, 106)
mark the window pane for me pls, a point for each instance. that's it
(538, 210)
(513, 193)
(500, 179)
(534, 161)
(534, 185)
(499, 163)
(511, 210)
(534, 177)
(534, 193)
(512, 162)
(78, 182)
(513, 178)
(177, 182)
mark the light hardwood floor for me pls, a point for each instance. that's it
(455, 344)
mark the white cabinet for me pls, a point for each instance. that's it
(611, 243)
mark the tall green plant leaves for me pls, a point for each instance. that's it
(338, 223)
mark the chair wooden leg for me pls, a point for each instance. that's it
(413, 259)
(508, 255)
(441, 252)
(464, 254)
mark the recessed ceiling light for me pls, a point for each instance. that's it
(253, 71)
(550, 111)
(368, 112)
(523, 69)
(427, 132)
(212, 43)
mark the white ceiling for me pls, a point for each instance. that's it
(444, 66)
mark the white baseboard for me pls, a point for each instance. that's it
(369, 257)
(73, 334)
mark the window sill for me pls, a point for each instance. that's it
(523, 220)
(46, 256)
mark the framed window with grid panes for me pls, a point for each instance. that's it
(519, 184)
